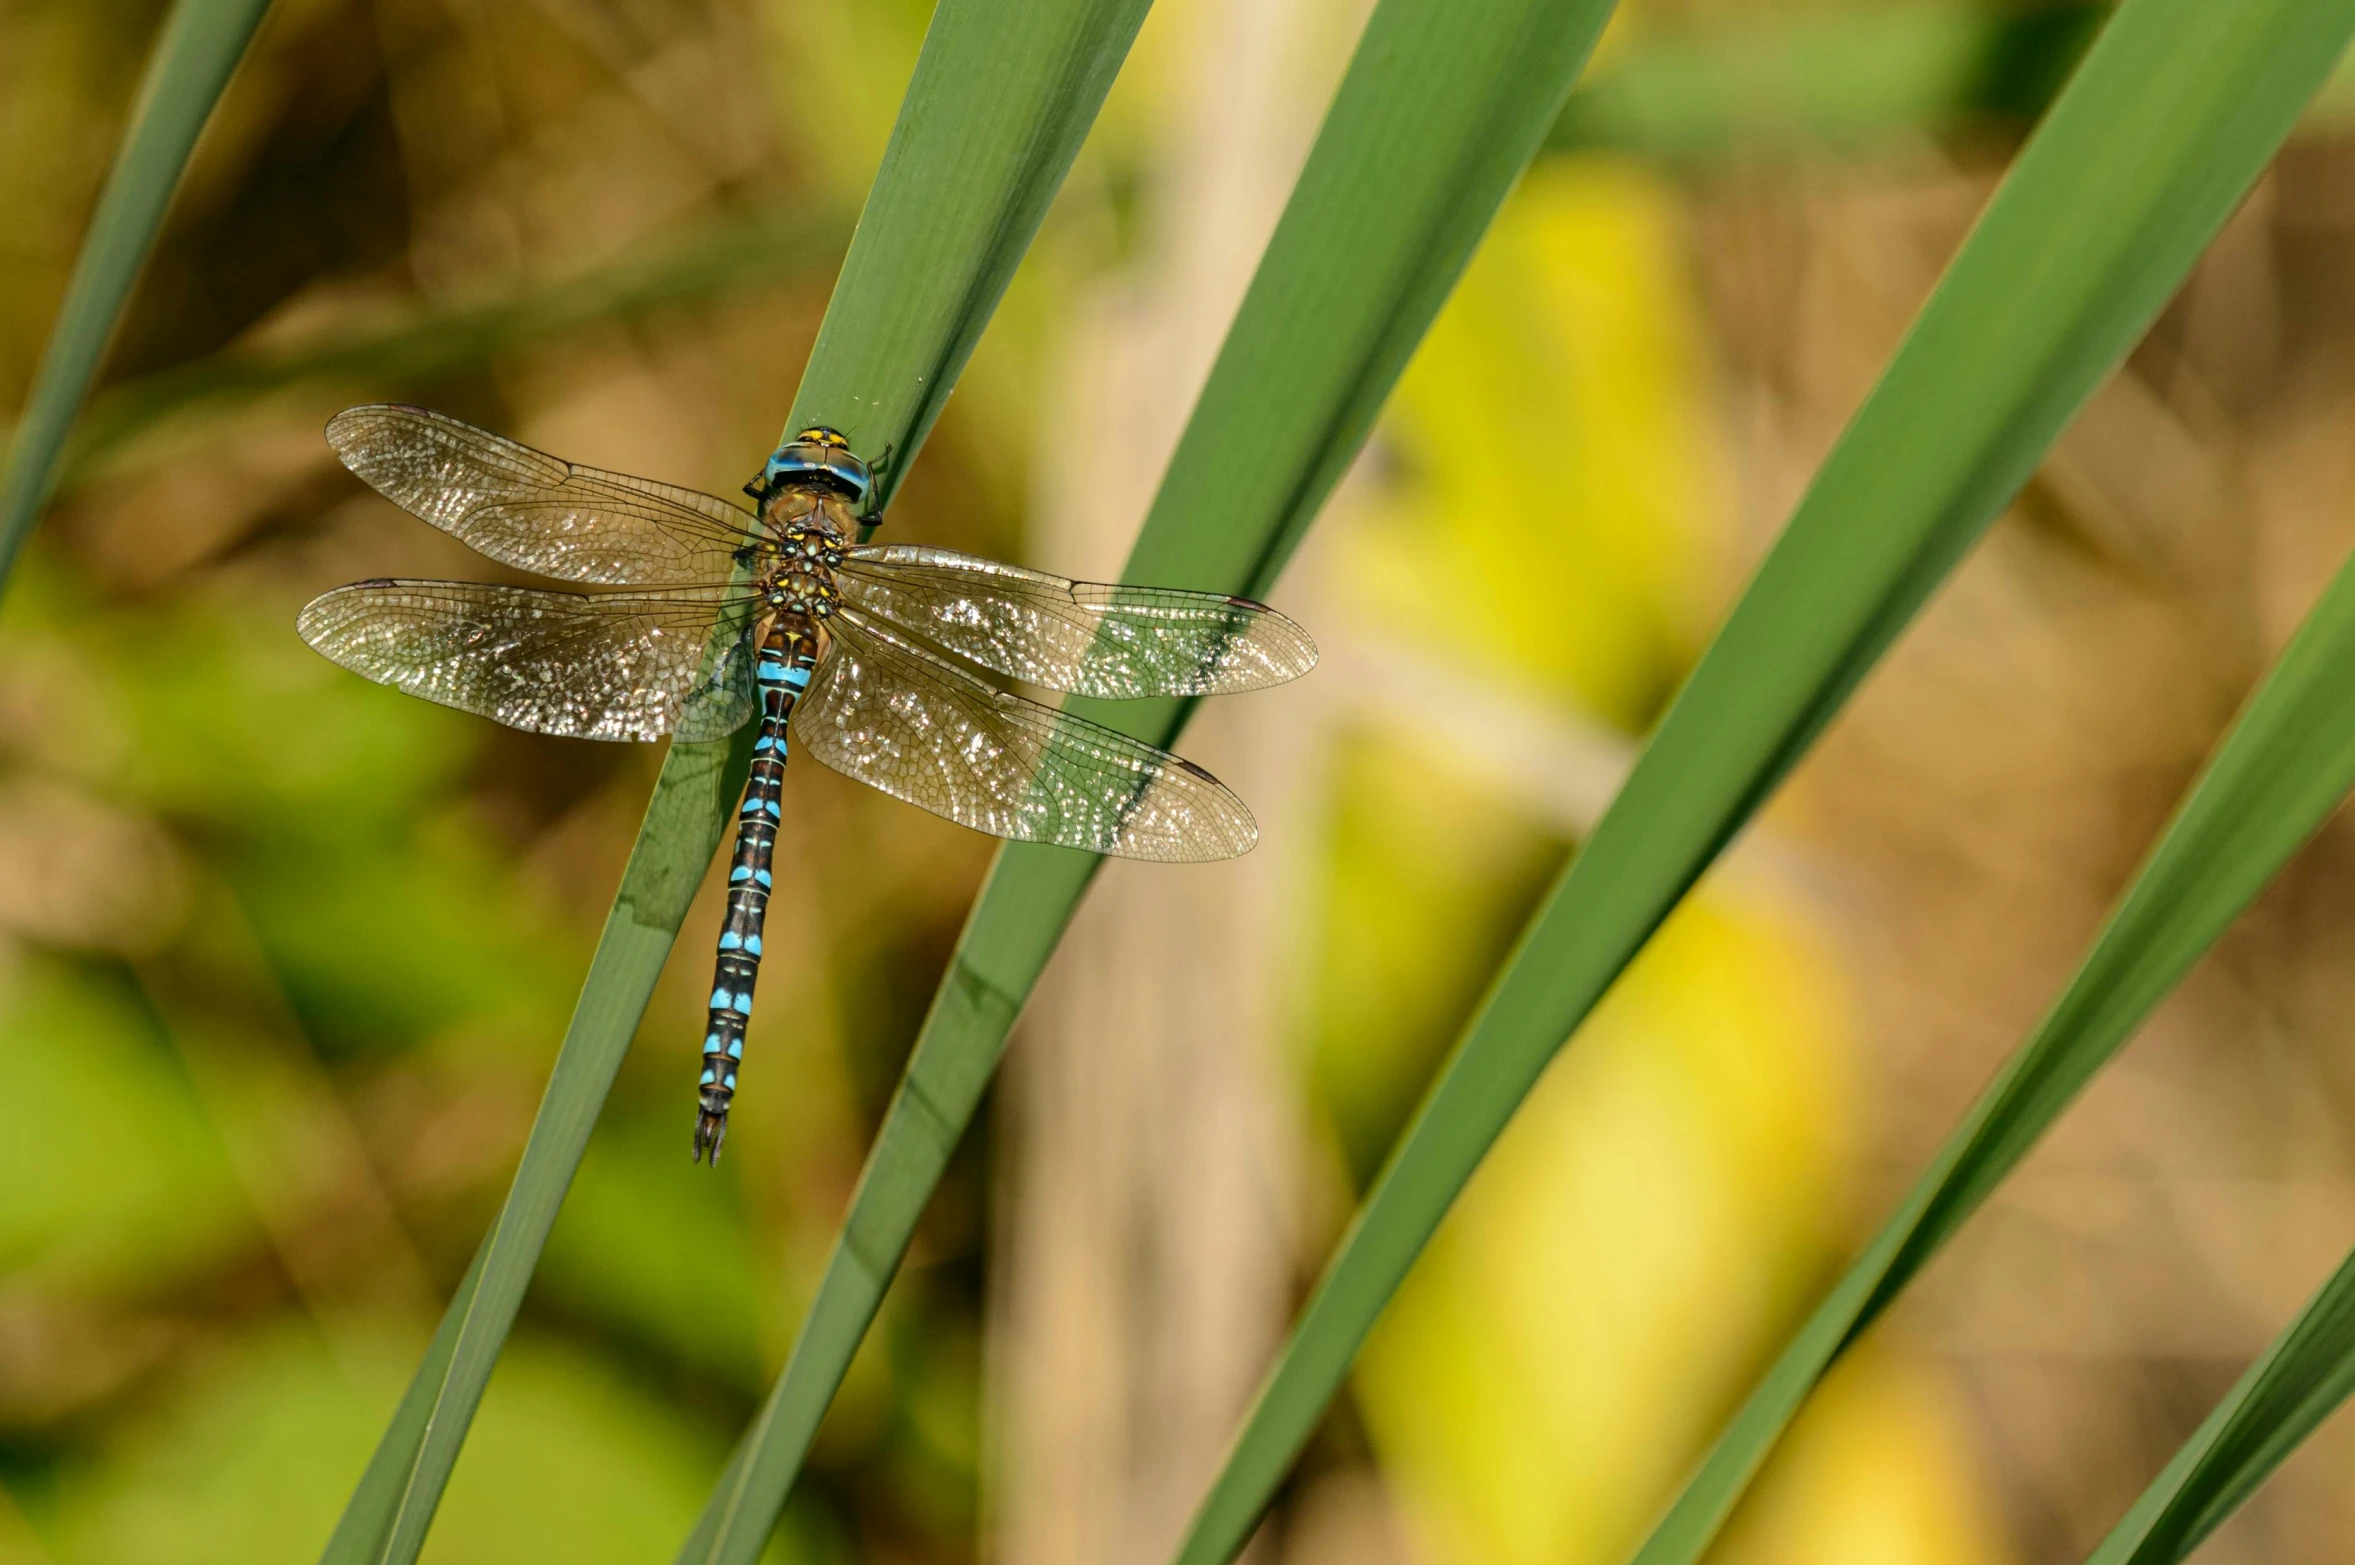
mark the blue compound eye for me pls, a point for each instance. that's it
(850, 472)
(809, 461)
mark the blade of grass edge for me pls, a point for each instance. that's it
(2285, 764)
(198, 50)
(2300, 1379)
(992, 119)
(2173, 113)
(369, 1513)
(1440, 110)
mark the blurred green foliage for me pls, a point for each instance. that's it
(117, 1182)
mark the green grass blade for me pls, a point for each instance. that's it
(1440, 110)
(201, 44)
(2174, 112)
(369, 1513)
(2285, 765)
(1001, 99)
(2301, 1379)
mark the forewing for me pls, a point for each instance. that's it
(609, 666)
(1092, 638)
(527, 509)
(895, 717)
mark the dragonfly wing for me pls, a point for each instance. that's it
(921, 729)
(610, 666)
(530, 510)
(1092, 638)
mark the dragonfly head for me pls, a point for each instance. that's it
(817, 458)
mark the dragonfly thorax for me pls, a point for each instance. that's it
(799, 578)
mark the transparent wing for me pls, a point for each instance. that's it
(527, 509)
(1094, 638)
(899, 719)
(620, 666)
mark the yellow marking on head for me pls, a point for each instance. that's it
(819, 434)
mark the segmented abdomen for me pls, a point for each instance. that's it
(787, 655)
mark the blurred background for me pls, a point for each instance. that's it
(285, 957)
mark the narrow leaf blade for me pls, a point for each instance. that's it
(369, 1513)
(2299, 1381)
(202, 42)
(1002, 97)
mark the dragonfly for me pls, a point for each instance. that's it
(871, 657)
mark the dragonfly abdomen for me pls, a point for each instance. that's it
(787, 655)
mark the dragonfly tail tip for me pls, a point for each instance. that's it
(711, 1128)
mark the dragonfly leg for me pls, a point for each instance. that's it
(873, 517)
(786, 658)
